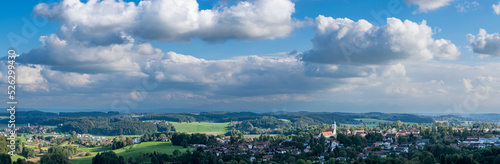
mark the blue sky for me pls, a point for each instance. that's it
(410, 56)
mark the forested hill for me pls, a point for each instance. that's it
(23, 117)
(114, 123)
(306, 117)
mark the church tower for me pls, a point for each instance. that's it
(334, 127)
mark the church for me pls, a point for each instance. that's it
(329, 132)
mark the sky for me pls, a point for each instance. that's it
(392, 56)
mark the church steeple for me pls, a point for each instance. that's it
(334, 127)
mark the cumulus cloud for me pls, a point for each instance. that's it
(101, 22)
(269, 80)
(428, 5)
(30, 78)
(72, 56)
(70, 79)
(484, 43)
(240, 76)
(71, 66)
(496, 8)
(343, 41)
(109, 68)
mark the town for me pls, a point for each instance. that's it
(321, 143)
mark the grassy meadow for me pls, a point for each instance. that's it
(145, 147)
(201, 127)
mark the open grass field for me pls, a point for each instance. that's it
(285, 120)
(197, 127)
(145, 147)
(14, 158)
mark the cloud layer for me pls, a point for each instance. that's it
(102, 55)
(102, 22)
(343, 41)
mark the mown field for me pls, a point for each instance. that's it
(145, 147)
(201, 127)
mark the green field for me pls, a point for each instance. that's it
(197, 127)
(14, 158)
(145, 147)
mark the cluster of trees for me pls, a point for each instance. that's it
(28, 152)
(169, 117)
(4, 149)
(393, 117)
(121, 141)
(108, 157)
(41, 118)
(449, 155)
(6, 159)
(59, 155)
(155, 136)
(184, 139)
(264, 122)
(397, 124)
(108, 126)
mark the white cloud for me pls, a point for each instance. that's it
(343, 41)
(496, 8)
(101, 22)
(467, 85)
(484, 43)
(467, 6)
(72, 67)
(30, 78)
(70, 79)
(271, 80)
(69, 65)
(428, 5)
(445, 50)
(73, 56)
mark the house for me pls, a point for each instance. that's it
(164, 139)
(362, 156)
(402, 149)
(252, 159)
(335, 144)
(381, 153)
(137, 140)
(296, 151)
(472, 138)
(422, 142)
(267, 158)
(359, 132)
(342, 159)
